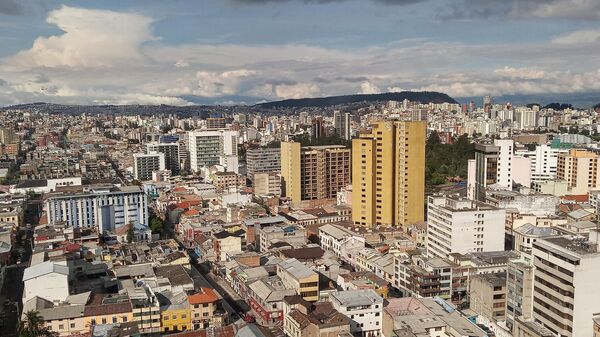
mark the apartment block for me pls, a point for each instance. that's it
(493, 166)
(267, 183)
(106, 206)
(459, 225)
(171, 152)
(213, 147)
(388, 175)
(488, 296)
(579, 168)
(145, 164)
(519, 291)
(363, 307)
(314, 172)
(566, 273)
(262, 160)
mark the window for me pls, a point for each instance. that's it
(104, 321)
(61, 326)
(72, 325)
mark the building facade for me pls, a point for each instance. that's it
(388, 174)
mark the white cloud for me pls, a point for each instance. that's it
(91, 63)
(299, 90)
(522, 73)
(579, 37)
(92, 38)
(369, 88)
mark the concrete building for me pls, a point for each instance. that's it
(106, 206)
(171, 152)
(298, 276)
(566, 270)
(579, 168)
(388, 175)
(205, 311)
(314, 172)
(488, 296)
(47, 280)
(213, 147)
(341, 123)
(544, 161)
(272, 235)
(459, 225)
(519, 291)
(145, 164)
(267, 183)
(557, 188)
(333, 238)
(363, 307)
(492, 166)
(262, 160)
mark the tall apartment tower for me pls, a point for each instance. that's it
(144, 164)
(213, 147)
(493, 166)
(171, 152)
(314, 172)
(341, 122)
(579, 168)
(388, 174)
(565, 291)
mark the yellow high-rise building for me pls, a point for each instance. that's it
(388, 174)
(290, 170)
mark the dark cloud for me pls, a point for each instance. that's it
(521, 9)
(385, 2)
(21, 7)
(352, 79)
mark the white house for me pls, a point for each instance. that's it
(364, 308)
(47, 280)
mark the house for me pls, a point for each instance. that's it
(47, 280)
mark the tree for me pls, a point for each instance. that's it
(33, 326)
(156, 225)
(130, 233)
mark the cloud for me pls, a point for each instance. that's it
(522, 9)
(520, 73)
(578, 37)
(369, 88)
(312, 2)
(11, 7)
(90, 63)
(91, 38)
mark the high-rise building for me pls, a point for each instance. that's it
(566, 284)
(213, 147)
(7, 136)
(317, 128)
(492, 166)
(544, 160)
(171, 153)
(460, 225)
(341, 122)
(579, 168)
(314, 172)
(215, 123)
(144, 164)
(262, 160)
(388, 174)
(519, 291)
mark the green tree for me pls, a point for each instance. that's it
(32, 325)
(156, 225)
(130, 233)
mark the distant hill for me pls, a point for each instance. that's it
(414, 96)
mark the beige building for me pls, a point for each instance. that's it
(267, 183)
(488, 295)
(296, 275)
(224, 181)
(388, 176)
(579, 168)
(204, 309)
(305, 319)
(314, 172)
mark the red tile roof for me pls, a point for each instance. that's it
(206, 295)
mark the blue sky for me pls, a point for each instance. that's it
(229, 51)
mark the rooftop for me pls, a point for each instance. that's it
(354, 298)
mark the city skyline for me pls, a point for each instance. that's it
(245, 51)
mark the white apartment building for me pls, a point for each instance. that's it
(333, 237)
(493, 166)
(565, 295)
(171, 153)
(145, 164)
(458, 225)
(213, 147)
(104, 206)
(364, 308)
(544, 160)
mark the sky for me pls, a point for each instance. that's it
(245, 51)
